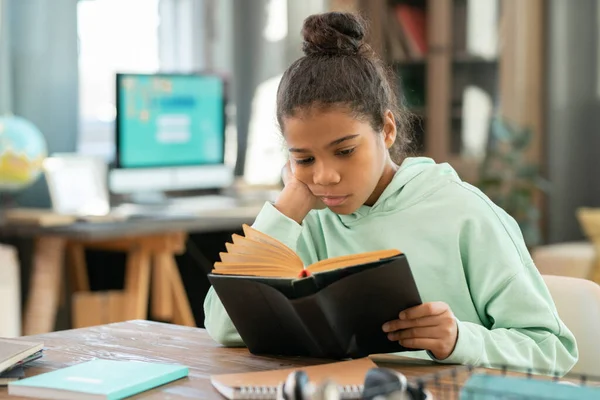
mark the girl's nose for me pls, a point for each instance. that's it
(325, 176)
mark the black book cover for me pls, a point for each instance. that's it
(334, 314)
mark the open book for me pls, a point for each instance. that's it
(259, 254)
(334, 308)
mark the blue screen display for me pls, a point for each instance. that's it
(170, 120)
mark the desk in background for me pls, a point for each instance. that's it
(150, 243)
(166, 343)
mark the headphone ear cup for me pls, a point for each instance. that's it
(328, 390)
(296, 387)
(382, 382)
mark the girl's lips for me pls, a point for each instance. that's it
(333, 201)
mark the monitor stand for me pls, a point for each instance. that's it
(149, 198)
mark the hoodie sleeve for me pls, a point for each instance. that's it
(522, 326)
(295, 236)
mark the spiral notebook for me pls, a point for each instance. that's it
(348, 375)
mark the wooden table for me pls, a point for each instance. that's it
(211, 220)
(150, 243)
(159, 342)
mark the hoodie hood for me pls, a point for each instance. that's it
(417, 178)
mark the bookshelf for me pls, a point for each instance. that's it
(458, 63)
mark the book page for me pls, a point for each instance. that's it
(350, 260)
(254, 269)
(242, 245)
(235, 258)
(258, 236)
(258, 254)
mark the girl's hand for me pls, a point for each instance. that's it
(296, 199)
(430, 326)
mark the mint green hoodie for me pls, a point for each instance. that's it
(462, 249)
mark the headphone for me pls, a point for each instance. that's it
(379, 384)
(297, 386)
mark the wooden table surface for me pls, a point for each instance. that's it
(159, 342)
(211, 221)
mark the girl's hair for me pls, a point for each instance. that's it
(339, 69)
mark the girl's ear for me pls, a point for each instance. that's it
(389, 129)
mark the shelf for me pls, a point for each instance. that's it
(410, 62)
(416, 3)
(458, 58)
(421, 112)
(466, 58)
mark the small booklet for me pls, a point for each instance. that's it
(334, 308)
(98, 379)
(14, 352)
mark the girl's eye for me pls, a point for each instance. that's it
(346, 152)
(304, 161)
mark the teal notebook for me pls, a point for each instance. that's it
(98, 379)
(496, 387)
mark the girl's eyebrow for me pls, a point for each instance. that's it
(334, 143)
(340, 140)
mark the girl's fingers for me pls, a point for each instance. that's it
(424, 310)
(440, 348)
(398, 324)
(430, 332)
(421, 343)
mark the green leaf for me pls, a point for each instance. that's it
(543, 184)
(529, 171)
(500, 131)
(522, 139)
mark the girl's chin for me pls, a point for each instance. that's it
(344, 209)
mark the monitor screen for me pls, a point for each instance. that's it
(169, 120)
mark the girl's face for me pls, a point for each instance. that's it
(341, 159)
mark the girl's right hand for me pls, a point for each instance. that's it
(296, 200)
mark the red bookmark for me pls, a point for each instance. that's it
(304, 273)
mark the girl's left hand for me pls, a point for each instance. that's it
(429, 326)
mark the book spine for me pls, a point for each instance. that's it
(347, 392)
(305, 287)
(256, 393)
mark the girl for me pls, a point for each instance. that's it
(484, 301)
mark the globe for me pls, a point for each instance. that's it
(22, 151)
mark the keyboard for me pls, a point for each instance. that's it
(176, 206)
(201, 203)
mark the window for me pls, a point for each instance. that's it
(114, 36)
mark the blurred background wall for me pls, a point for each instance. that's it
(572, 113)
(59, 58)
(506, 91)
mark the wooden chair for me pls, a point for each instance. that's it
(574, 259)
(578, 304)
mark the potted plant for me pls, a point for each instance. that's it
(510, 179)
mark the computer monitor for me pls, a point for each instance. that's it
(170, 134)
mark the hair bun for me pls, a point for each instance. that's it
(333, 33)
